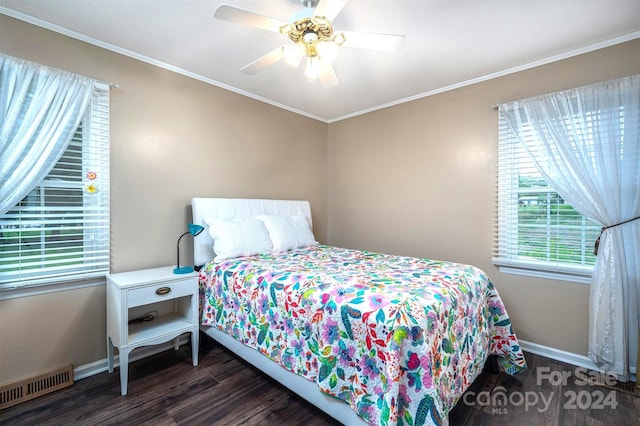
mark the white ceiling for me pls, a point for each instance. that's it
(449, 43)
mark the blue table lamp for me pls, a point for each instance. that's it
(193, 230)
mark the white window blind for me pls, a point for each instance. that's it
(60, 231)
(536, 229)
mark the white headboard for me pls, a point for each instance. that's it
(227, 208)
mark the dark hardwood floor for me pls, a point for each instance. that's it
(165, 389)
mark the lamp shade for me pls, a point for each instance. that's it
(194, 230)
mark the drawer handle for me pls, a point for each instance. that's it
(163, 291)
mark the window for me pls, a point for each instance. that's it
(60, 231)
(538, 233)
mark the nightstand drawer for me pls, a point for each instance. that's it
(159, 292)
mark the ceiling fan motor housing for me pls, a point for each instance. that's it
(311, 32)
(299, 31)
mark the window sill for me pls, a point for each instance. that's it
(34, 290)
(580, 275)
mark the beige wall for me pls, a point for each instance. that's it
(420, 179)
(172, 138)
(415, 179)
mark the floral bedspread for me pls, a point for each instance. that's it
(398, 338)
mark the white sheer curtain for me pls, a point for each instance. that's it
(586, 143)
(40, 109)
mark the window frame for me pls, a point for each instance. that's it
(508, 226)
(94, 146)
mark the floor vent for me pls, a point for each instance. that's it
(626, 387)
(27, 389)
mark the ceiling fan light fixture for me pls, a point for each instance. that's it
(313, 37)
(327, 51)
(313, 69)
(310, 37)
(293, 54)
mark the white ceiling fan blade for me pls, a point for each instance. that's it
(264, 61)
(329, 8)
(375, 41)
(328, 77)
(244, 17)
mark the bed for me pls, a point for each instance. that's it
(366, 337)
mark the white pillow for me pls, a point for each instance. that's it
(288, 232)
(238, 237)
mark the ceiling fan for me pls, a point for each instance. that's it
(312, 38)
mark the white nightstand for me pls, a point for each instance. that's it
(131, 295)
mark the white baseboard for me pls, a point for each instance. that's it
(567, 357)
(100, 366)
(558, 355)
